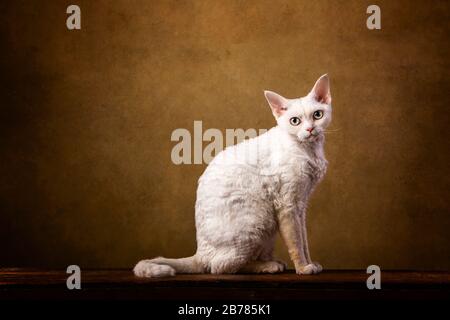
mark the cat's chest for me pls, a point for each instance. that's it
(306, 169)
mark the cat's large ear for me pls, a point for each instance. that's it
(277, 103)
(321, 90)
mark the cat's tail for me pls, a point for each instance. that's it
(164, 267)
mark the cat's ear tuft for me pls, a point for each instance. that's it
(321, 90)
(277, 103)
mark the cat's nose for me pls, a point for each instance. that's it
(310, 129)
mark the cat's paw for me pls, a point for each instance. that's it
(318, 267)
(272, 267)
(311, 268)
(285, 266)
(149, 269)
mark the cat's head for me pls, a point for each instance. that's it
(305, 117)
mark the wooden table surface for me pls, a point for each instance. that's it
(123, 285)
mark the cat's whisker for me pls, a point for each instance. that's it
(331, 130)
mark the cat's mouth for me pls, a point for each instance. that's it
(311, 137)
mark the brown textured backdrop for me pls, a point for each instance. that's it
(86, 119)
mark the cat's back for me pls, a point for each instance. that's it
(251, 153)
(238, 169)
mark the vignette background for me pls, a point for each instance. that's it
(86, 118)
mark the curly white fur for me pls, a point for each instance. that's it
(256, 188)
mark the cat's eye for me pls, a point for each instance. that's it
(318, 114)
(295, 121)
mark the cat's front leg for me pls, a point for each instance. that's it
(292, 231)
(317, 267)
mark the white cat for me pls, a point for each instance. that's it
(256, 188)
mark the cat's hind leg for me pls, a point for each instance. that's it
(267, 253)
(241, 260)
(267, 250)
(228, 262)
(258, 266)
(233, 259)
